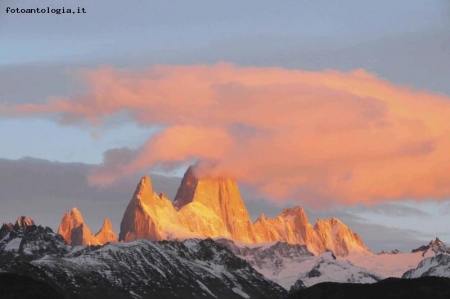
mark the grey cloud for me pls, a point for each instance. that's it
(391, 209)
(444, 209)
(31, 83)
(420, 59)
(45, 190)
(380, 237)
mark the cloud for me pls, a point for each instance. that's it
(391, 209)
(383, 237)
(45, 190)
(317, 137)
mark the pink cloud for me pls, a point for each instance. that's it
(316, 137)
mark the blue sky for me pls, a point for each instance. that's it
(405, 42)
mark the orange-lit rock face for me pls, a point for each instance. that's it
(76, 232)
(336, 236)
(71, 220)
(203, 208)
(24, 222)
(221, 197)
(140, 219)
(292, 226)
(106, 233)
(206, 207)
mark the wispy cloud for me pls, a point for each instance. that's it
(391, 209)
(319, 137)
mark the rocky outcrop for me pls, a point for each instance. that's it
(219, 196)
(434, 247)
(106, 233)
(202, 208)
(76, 232)
(23, 222)
(73, 230)
(336, 236)
(292, 226)
(213, 207)
(146, 215)
(27, 238)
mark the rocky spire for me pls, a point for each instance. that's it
(186, 191)
(220, 196)
(292, 226)
(106, 233)
(213, 207)
(74, 230)
(23, 222)
(137, 223)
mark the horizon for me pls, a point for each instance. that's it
(341, 109)
(270, 211)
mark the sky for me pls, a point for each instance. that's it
(340, 107)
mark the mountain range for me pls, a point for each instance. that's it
(190, 268)
(201, 245)
(210, 207)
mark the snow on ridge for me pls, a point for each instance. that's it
(203, 287)
(240, 292)
(328, 268)
(386, 265)
(13, 245)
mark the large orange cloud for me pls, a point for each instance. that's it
(317, 137)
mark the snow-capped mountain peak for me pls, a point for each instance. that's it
(438, 265)
(329, 269)
(435, 246)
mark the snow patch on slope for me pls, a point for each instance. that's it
(386, 265)
(240, 293)
(432, 266)
(329, 269)
(13, 245)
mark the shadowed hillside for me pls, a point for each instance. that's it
(20, 286)
(425, 287)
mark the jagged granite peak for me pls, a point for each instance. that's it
(186, 190)
(148, 216)
(434, 247)
(27, 238)
(213, 207)
(210, 208)
(292, 226)
(337, 237)
(74, 230)
(438, 265)
(106, 233)
(144, 190)
(23, 222)
(220, 196)
(264, 230)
